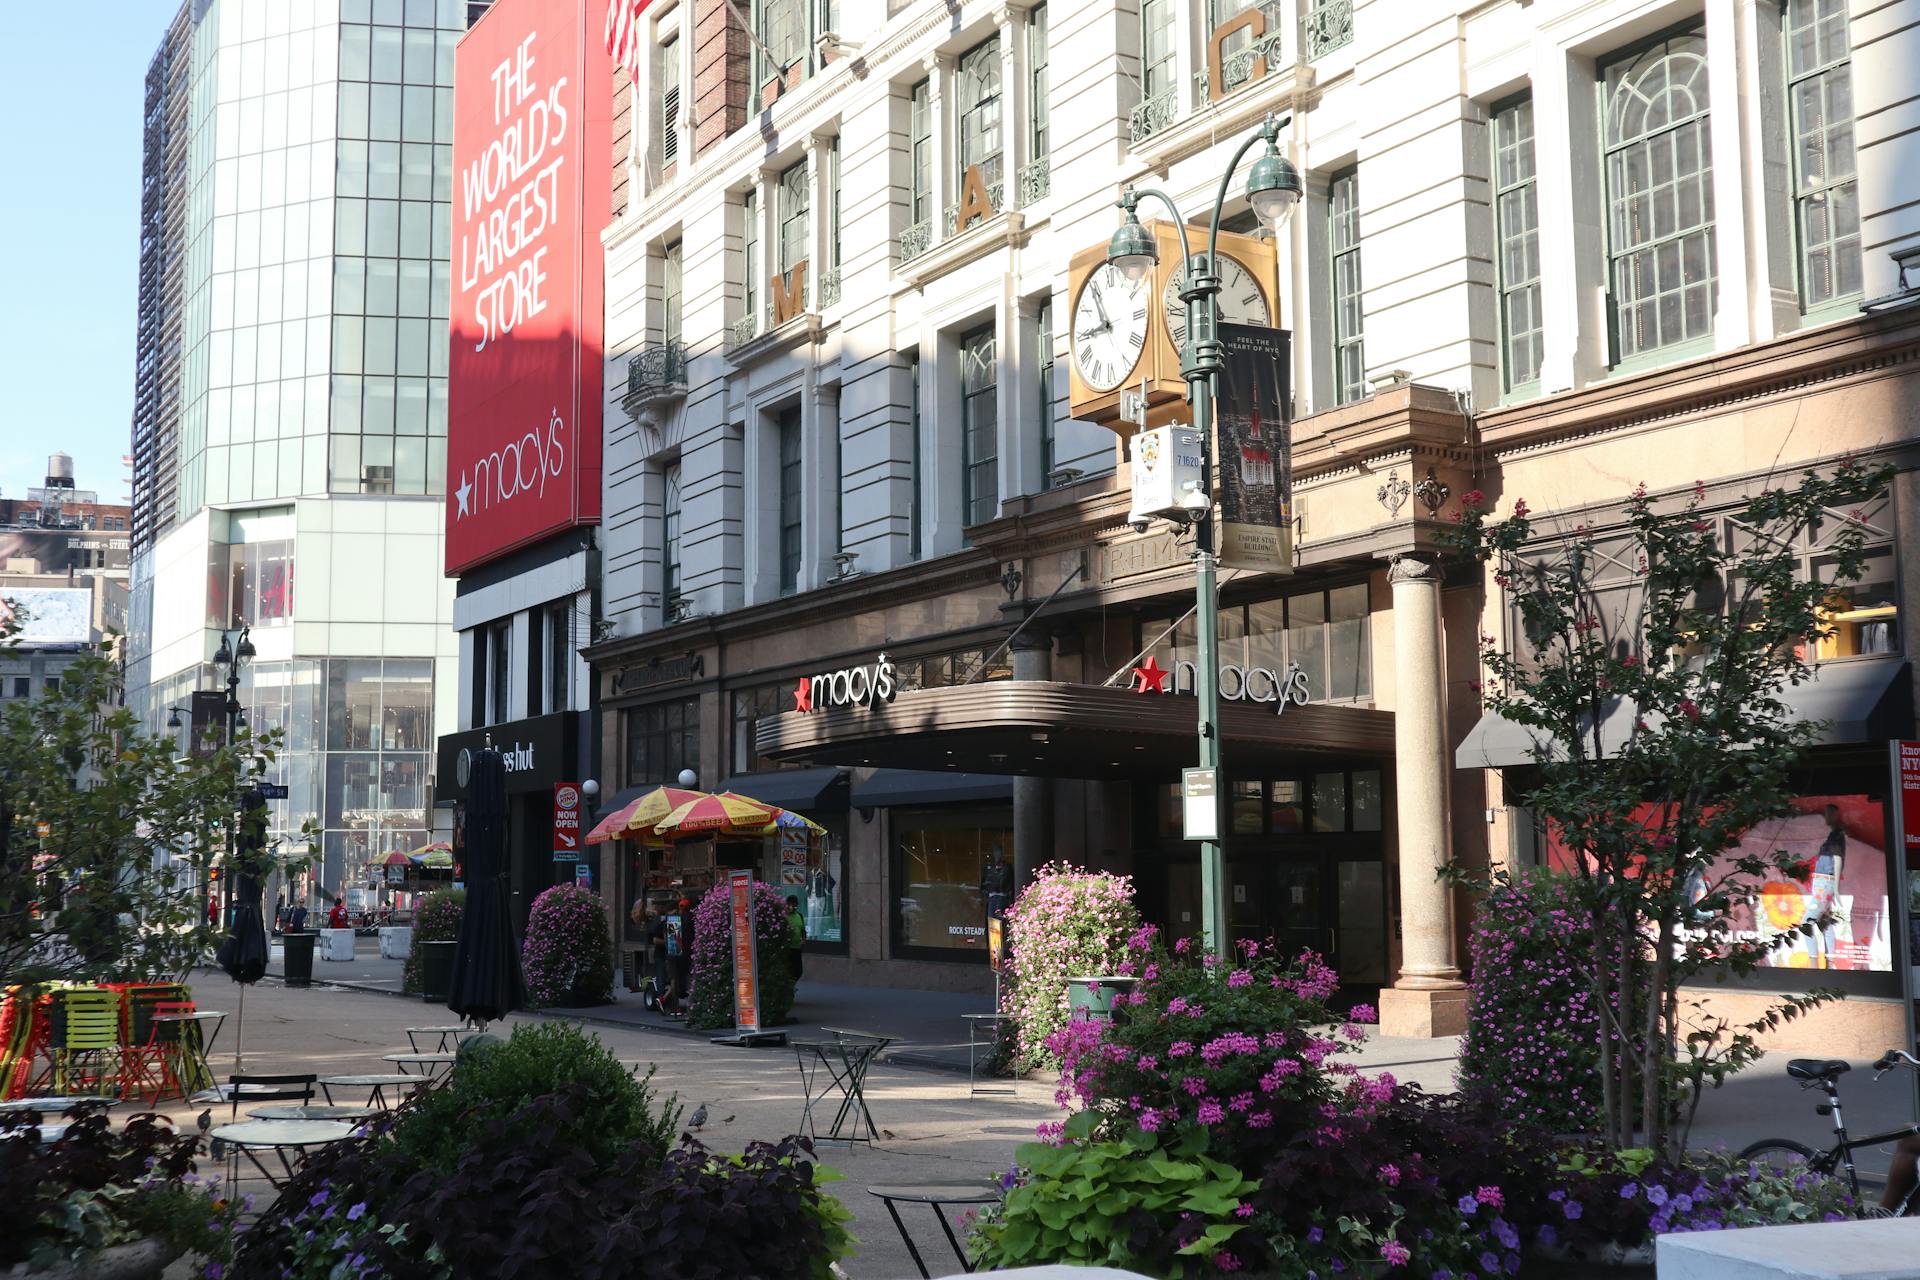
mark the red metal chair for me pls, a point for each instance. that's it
(150, 1068)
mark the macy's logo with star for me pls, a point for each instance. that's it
(522, 466)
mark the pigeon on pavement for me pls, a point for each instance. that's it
(698, 1120)
(206, 1120)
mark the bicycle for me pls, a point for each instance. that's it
(1788, 1156)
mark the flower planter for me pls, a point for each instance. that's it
(135, 1260)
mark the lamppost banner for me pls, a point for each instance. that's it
(1254, 449)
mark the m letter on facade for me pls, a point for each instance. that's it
(789, 293)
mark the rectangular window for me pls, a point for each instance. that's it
(750, 208)
(913, 477)
(500, 655)
(790, 485)
(662, 739)
(1327, 633)
(1049, 425)
(750, 707)
(1038, 98)
(795, 196)
(783, 31)
(941, 857)
(1157, 70)
(833, 207)
(1517, 218)
(979, 427)
(670, 295)
(536, 663)
(1349, 357)
(921, 127)
(977, 91)
(560, 656)
(1825, 203)
(1659, 176)
(23, 686)
(669, 102)
(670, 543)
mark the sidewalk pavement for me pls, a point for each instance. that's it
(1761, 1102)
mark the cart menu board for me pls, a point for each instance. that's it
(746, 972)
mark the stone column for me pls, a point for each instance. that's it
(1012, 25)
(1428, 999)
(1032, 797)
(942, 140)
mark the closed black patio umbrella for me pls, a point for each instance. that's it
(487, 982)
(244, 952)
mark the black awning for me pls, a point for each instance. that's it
(1861, 701)
(802, 790)
(888, 788)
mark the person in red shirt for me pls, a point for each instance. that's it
(337, 914)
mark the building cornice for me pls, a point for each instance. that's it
(1861, 348)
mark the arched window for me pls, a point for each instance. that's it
(1659, 173)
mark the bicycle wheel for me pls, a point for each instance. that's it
(1784, 1155)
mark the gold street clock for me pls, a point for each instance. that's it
(1125, 335)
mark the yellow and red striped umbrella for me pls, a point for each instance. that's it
(636, 819)
(722, 814)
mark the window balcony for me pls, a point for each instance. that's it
(658, 371)
(829, 287)
(916, 240)
(1034, 182)
(996, 196)
(1153, 115)
(1327, 25)
(741, 332)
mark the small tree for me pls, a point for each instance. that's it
(107, 836)
(1662, 739)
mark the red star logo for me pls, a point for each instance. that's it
(1149, 677)
(803, 695)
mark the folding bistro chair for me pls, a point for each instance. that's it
(83, 1040)
(269, 1089)
(150, 1064)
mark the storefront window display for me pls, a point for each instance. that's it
(939, 859)
(813, 869)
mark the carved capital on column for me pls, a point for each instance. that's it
(1415, 567)
(935, 64)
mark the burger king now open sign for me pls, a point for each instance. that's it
(566, 821)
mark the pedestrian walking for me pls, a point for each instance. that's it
(683, 963)
(796, 935)
(337, 914)
(297, 918)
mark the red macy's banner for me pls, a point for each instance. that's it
(531, 140)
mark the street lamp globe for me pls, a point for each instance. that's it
(1273, 186)
(1132, 249)
(246, 650)
(223, 656)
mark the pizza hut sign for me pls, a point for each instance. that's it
(847, 687)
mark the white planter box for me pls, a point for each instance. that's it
(1881, 1249)
(396, 941)
(336, 944)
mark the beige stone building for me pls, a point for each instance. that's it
(1548, 250)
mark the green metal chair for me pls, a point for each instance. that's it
(84, 1040)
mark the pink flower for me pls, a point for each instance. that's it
(1226, 1261)
(1210, 1112)
(1194, 1086)
(1180, 1048)
(1181, 947)
(1520, 509)
(1239, 978)
(1491, 1197)
(1390, 1174)
(1689, 708)
(1260, 1120)
(1473, 500)
(1149, 1120)
(1395, 1253)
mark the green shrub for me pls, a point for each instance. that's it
(490, 1090)
(568, 954)
(1114, 1204)
(436, 919)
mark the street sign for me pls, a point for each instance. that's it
(272, 790)
(1200, 803)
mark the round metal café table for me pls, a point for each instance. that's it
(51, 1106)
(431, 1065)
(315, 1111)
(279, 1137)
(378, 1081)
(937, 1195)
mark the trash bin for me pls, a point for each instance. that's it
(1092, 997)
(436, 971)
(296, 950)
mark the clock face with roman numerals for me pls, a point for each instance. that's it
(1109, 327)
(1241, 301)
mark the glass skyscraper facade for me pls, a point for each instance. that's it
(301, 297)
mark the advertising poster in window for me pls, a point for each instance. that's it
(1837, 848)
(1255, 462)
(810, 869)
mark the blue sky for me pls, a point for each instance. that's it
(72, 78)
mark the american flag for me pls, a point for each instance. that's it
(624, 33)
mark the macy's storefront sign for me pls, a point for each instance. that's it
(847, 687)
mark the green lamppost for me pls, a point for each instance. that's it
(1273, 186)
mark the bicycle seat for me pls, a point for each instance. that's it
(1817, 1068)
